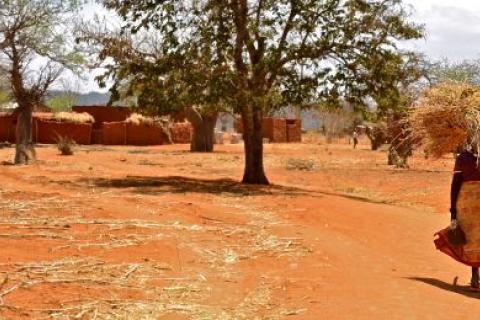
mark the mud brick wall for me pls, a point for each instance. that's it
(97, 136)
(181, 132)
(294, 130)
(144, 135)
(114, 133)
(278, 129)
(7, 128)
(103, 114)
(48, 131)
(238, 126)
(275, 129)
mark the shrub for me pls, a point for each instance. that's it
(300, 164)
(65, 145)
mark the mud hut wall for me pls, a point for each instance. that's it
(114, 133)
(294, 130)
(7, 128)
(48, 131)
(238, 125)
(275, 129)
(144, 134)
(97, 136)
(181, 132)
(8, 124)
(103, 114)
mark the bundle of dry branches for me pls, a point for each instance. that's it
(448, 118)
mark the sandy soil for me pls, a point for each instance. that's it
(159, 233)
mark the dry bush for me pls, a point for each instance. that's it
(448, 118)
(300, 164)
(335, 123)
(65, 145)
(401, 139)
(377, 134)
(74, 117)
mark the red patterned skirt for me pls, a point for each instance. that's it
(468, 216)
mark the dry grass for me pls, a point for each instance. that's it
(300, 164)
(134, 290)
(74, 117)
(139, 119)
(448, 118)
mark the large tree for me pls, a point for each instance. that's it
(33, 52)
(283, 51)
(189, 82)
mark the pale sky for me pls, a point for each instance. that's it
(452, 28)
(452, 31)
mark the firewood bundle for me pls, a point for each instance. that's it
(448, 118)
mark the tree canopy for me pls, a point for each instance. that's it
(305, 49)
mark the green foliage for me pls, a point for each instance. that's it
(5, 94)
(302, 50)
(466, 71)
(30, 30)
(4, 97)
(63, 102)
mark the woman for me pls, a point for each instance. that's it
(465, 212)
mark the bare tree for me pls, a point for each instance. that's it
(33, 53)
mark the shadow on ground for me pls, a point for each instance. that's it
(463, 290)
(180, 184)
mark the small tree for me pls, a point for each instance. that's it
(401, 139)
(283, 52)
(30, 30)
(377, 134)
(63, 99)
(466, 71)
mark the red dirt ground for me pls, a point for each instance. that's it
(159, 233)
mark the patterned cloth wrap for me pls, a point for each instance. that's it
(468, 217)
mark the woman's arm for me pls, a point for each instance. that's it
(454, 191)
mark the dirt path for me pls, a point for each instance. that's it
(380, 263)
(158, 233)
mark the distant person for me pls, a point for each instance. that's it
(465, 216)
(355, 139)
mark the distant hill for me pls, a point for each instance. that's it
(90, 98)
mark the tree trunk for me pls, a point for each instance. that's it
(24, 151)
(203, 135)
(254, 172)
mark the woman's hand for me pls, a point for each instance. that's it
(453, 224)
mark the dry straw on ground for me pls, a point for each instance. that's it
(448, 118)
(74, 117)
